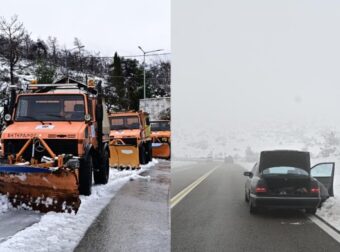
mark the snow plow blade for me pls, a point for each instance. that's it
(124, 156)
(161, 150)
(40, 188)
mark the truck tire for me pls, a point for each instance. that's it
(142, 154)
(85, 175)
(101, 175)
(149, 154)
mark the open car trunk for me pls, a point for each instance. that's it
(287, 185)
(298, 159)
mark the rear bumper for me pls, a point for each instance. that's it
(285, 202)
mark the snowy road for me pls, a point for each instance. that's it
(214, 217)
(30, 231)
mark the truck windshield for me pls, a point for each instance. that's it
(160, 126)
(50, 108)
(124, 122)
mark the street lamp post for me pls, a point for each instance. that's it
(145, 53)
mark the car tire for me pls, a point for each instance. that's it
(246, 197)
(85, 175)
(311, 210)
(101, 175)
(252, 208)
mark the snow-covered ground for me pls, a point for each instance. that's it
(245, 142)
(63, 231)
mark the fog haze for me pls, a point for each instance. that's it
(241, 61)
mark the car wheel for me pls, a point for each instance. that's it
(252, 208)
(311, 210)
(246, 197)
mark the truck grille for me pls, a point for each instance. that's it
(57, 146)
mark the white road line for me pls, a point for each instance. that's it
(331, 232)
(178, 197)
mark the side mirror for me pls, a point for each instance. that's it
(248, 174)
(87, 118)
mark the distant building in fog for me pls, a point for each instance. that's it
(158, 108)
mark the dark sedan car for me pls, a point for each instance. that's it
(285, 179)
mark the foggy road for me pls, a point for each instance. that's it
(137, 218)
(215, 217)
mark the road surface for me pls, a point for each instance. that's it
(137, 218)
(213, 216)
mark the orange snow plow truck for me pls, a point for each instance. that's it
(130, 139)
(55, 141)
(161, 139)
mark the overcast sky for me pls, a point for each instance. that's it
(102, 25)
(251, 61)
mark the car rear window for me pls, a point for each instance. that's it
(284, 170)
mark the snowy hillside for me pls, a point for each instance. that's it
(26, 71)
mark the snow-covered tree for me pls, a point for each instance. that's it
(13, 34)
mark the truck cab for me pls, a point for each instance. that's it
(58, 126)
(130, 139)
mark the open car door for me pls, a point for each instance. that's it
(324, 173)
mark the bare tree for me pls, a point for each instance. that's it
(14, 35)
(78, 44)
(53, 48)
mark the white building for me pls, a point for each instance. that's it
(155, 106)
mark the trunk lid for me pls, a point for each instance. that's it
(297, 159)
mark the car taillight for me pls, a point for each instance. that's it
(315, 190)
(261, 189)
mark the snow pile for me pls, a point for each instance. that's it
(62, 231)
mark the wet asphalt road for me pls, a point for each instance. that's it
(137, 218)
(215, 217)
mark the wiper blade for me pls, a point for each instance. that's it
(54, 115)
(31, 117)
(59, 116)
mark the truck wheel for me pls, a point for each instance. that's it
(142, 154)
(85, 175)
(149, 147)
(101, 175)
